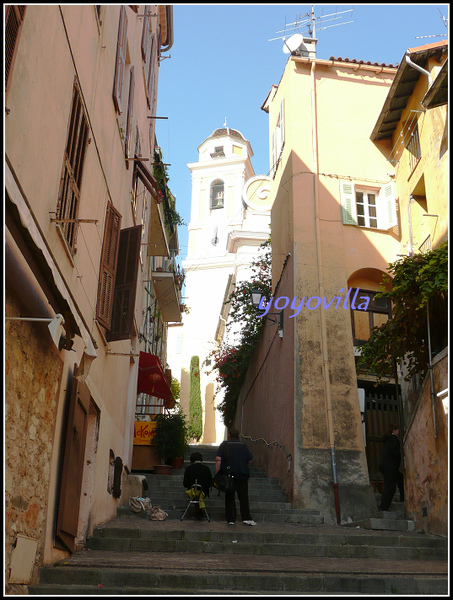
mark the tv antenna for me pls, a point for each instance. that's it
(308, 25)
(445, 22)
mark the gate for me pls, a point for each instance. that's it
(381, 412)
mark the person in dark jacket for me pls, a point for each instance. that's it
(199, 472)
(389, 465)
(237, 455)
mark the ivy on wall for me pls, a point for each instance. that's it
(419, 284)
(231, 362)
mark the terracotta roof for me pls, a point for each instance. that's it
(363, 62)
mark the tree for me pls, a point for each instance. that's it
(232, 361)
(195, 408)
(419, 285)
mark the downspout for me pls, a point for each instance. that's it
(415, 66)
(325, 358)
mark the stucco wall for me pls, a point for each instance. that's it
(32, 380)
(426, 457)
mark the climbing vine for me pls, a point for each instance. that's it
(231, 361)
(419, 283)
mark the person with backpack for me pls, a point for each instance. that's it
(236, 455)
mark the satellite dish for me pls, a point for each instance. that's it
(292, 43)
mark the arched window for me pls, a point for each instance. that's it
(217, 194)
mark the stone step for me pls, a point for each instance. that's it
(254, 543)
(110, 574)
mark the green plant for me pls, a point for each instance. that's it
(419, 284)
(171, 435)
(195, 407)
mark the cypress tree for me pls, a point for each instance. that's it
(195, 408)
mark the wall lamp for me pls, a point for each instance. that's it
(257, 299)
(55, 327)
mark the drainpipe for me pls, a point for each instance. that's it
(415, 66)
(325, 358)
(431, 376)
(410, 250)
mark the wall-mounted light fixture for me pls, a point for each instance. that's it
(257, 298)
(56, 328)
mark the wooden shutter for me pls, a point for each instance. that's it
(14, 18)
(348, 207)
(150, 82)
(126, 284)
(73, 463)
(120, 66)
(130, 118)
(387, 207)
(145, 33)
(109, 258)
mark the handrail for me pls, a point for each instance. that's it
(288, 455)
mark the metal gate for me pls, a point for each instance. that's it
(381, 412)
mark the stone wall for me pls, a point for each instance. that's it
(426, 456)
(32, 378)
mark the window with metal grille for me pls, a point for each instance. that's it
(14, 18)
(71, 178)
(413, 146)
(217, 194)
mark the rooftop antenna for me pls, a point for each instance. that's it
(306, 26)
(445, 22)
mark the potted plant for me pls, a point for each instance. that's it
(170, 436)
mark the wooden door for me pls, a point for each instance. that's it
(73, 462)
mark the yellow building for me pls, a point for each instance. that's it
(81, 91)
(414, 123)
(340, 202)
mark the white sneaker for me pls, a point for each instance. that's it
(230, 522)
(249, 522)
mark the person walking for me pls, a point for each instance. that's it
(237, 456)
(389, 464)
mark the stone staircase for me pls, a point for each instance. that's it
(268, 502)
(289, 552)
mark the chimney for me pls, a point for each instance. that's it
(308, 48)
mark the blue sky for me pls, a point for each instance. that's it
(223, 65)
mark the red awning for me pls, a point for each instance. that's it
(152, 380)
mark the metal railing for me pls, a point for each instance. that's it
(289, 458)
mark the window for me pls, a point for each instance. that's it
(130, 118)
(218, 152)
(413, 147)
(278, 137)
(377, 313)
(108, 266)
(122, 323)
(373, 208)
(217, 194)
(366, 209)
(71, 178)
(120, 67)
(14, 18)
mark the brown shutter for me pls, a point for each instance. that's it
(120, 61)
(73, 463)
(130, 118)
(126, 284)
(150, 83)
(145, 33)
(14, 18)
(109, 258)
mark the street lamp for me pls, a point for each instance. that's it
(257, 297)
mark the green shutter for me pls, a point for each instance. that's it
(348, 207)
